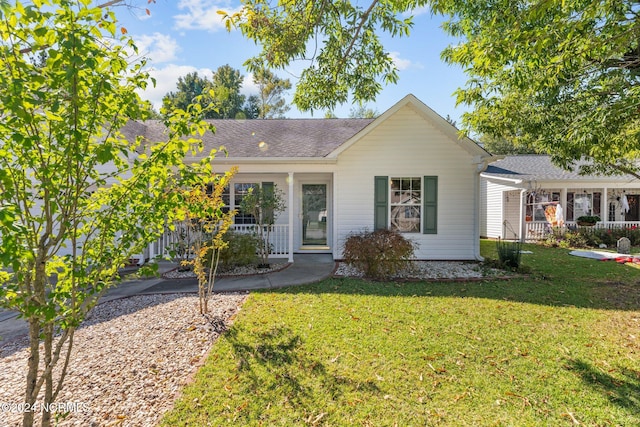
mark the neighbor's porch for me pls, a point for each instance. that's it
(533, 214)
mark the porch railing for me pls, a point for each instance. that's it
(179, 240)
(540, 230)
(278, 237)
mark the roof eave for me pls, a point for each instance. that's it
(271, 160)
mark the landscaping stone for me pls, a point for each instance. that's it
(130, 360)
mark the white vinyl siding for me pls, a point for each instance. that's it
(511, 225)
(493, 211)
(500, 210)
(409, 145)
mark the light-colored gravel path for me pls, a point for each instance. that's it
(130, 360)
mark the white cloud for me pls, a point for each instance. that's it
(248, 86)
(159, 48)
(166, 79)
(401, 64)
(203, 14)
(420, 10)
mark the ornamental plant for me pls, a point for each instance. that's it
(265, 204)
(379, 254)
(588, 219)
(207, 224)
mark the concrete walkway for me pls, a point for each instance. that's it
(306, 268)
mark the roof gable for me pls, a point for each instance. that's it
(426, 113)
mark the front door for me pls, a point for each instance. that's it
(314, 215)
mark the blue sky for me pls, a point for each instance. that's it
(182, 36)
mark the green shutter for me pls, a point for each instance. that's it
(268, 191)
(381, 202)
(430, 204)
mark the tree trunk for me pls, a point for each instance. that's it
(48, 380)
(32, 371)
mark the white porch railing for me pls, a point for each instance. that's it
(278, 237)
(179, 240)
(540, 230)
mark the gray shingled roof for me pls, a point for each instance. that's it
(539, 167)
(270, 138)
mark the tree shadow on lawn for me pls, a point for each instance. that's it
(275, 368)
(623, 390)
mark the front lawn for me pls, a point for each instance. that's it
(559, 347)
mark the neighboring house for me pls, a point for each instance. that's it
(521, 194)
(407, 170)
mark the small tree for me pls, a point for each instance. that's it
(265, 204)
(71, 177)
(207, 224)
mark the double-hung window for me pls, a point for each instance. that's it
(240, 190)
(406, 204)
(232, 196)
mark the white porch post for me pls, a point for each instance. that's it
(291, 208)
(523, 212)
(604, 205)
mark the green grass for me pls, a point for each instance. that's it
(558, 347)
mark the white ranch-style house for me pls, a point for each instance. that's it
(407, 170)
(524, 196)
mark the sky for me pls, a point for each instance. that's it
(183, 36)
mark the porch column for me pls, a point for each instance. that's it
(604, 206)
(523, 211)
(291, 208)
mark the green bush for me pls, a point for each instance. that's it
(509, 253)
(590, 219)
(588, 237)
(240, 251)
(379, 254)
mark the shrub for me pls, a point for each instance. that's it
(588, 219)
(588, 237)
(240, 250)
(509, 253)
(379, 254)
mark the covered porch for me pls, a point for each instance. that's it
(304, 226)
(533, 214)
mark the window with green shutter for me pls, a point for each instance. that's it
(405, 204)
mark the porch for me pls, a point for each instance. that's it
(179, 240)
(533, 214)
